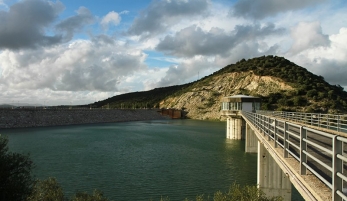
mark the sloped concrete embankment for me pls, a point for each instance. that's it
(21, 118)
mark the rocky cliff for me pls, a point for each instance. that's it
(202, 102)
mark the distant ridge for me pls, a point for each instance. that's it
(6, 106)
(280, 83)
(19, 105)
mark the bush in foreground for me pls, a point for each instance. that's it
(16, 181)
(47, 190)
(238, 193)
(50, 190)
(235, 193)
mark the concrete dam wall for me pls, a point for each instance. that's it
(20, 118)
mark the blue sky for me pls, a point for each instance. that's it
(79, 51)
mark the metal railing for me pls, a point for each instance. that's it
(328, 121)
(319, 152)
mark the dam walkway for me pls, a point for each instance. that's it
(308, 148)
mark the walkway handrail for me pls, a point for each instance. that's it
(297, 141)
(327, 121)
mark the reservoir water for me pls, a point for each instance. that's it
(138, 160)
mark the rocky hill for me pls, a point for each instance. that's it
(203, 101)
(281, 84)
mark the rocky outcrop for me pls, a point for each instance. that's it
(203, 102)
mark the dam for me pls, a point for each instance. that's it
(37, 117)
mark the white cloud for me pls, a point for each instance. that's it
(328, 61)
(49, 97)
(24, 24)
(193, 40)
(79, 66)
(200, 36)
(308, 35)
(124, 12)
(266, 8)
(75, 24)
(159, 16)
(187, 71)
(144, 80)
(112, 18)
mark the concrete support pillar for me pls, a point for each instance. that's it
(236, 128)
(251, 141)
(228, 128)
(271, 179)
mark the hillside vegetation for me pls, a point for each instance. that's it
(281, 84)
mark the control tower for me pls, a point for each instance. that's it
(231, 108)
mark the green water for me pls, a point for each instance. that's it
(138, 160)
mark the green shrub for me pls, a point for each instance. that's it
(238, 193)
(299, 101)
(47, 190)
(312, 93)
(83, 196)
(16, 181)
(50, 190)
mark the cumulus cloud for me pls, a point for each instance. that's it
(199, 35)
(193, 40)
(264, 8)
(76, 23)
(160, 15)
(247, 50)
(103, 39)
(187, 71)
(49, 97)
(78, 66)
(330, 61)
(333, 71)
(111, 18)
(25, 23)
(308, 35)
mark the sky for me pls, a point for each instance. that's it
(81, 51)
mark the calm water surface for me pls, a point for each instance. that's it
(138, 160)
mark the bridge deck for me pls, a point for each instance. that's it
(319, 151)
